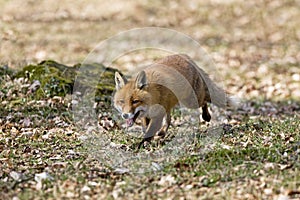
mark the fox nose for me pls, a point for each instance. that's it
(125, 115)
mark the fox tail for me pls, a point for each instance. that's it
(215, 93)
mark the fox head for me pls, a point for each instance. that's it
(131, 98)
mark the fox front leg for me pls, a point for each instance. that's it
(153, 127)
(145, 123)
(166, 123)
(156, 115)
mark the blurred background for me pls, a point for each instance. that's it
(254, 44)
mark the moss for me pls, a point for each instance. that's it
(106, 84)
(4, 70)
(58, 80)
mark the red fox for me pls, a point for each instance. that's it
(157, 89)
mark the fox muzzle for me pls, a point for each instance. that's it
(127, 115)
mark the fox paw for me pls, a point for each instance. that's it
(206, 116)
(161, 134)
(145, 140)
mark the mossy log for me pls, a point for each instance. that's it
(58, 79)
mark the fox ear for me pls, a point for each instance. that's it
(141, 80)
(120, 81)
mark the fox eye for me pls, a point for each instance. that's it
(135, 101)
(121, 101)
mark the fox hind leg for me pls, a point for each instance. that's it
(205, 113)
